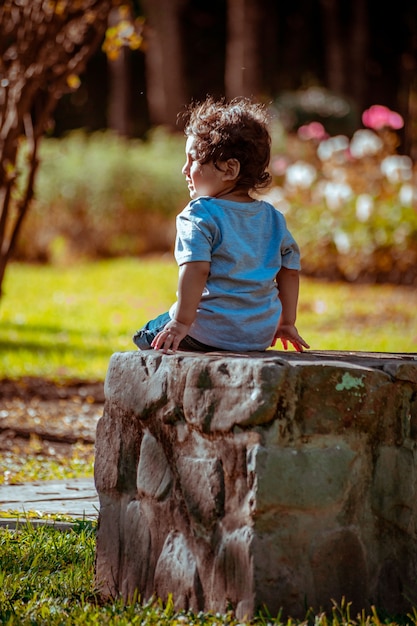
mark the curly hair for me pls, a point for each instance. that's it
(232, 130)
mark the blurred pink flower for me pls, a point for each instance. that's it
(378, 116)
(279, 165)
(314, 130)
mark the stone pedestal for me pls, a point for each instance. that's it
(270, 479)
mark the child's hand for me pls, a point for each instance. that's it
(170, 337)
(288, 333)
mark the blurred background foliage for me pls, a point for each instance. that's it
(109, 182)
(100, 196)
(355, 52)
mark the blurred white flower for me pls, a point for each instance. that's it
(319, 307)
(337, 174)
(408, 194)
(364, 206)
(401, 233)
(365, 143)
(276, 197)
(336, 194)
(342, 241)
(332, 146)
(300, 174)
(397, 168)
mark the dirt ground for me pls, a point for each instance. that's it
(47, 417)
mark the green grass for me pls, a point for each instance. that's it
(65, 322)
(47, 578)
(26, 465)
(347, 316)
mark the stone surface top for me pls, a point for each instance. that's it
(370, 359)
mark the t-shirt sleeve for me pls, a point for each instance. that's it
(290, 252)
(195, 236)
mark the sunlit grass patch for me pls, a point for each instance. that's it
(358, 317)
(66, 322)
(19, 468)
(47, 577)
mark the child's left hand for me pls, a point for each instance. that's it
(288, 333)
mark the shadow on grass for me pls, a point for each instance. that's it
(15, 327)
(40, 347)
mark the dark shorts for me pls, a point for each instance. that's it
(143, 338)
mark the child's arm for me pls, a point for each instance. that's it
(192, 280)
(288, 282)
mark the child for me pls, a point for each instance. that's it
(238, 264)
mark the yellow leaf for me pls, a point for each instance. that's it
(111, 32)
(113, 54)
(73, 81)
(60, 7)
(135, 42)
(124, 12)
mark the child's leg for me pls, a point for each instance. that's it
(144, 337)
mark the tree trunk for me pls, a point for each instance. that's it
(119, 70)
(359, 52)
(166, 90)
(43, 47)
(243, 62)
(333, 46)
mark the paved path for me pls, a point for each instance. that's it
(76, 498)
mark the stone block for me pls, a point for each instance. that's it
(270, 479)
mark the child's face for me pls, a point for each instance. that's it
(203, 179)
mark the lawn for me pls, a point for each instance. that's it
(65, 322)
(47, 578)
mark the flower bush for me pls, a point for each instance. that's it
(351, 202)
(350, 199)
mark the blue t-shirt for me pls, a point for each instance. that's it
(246, 245)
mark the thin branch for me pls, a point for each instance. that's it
(39, 49)
(6, 192)
(24, 204)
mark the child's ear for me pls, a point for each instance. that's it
(231, 169)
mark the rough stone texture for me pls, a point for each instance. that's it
(277, 479)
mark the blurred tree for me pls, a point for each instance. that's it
(350, 48)
(359, 50)
(334, 58)
(166, 91)
(123, 35)
(44, 45)
(119, 69)
(243, 60)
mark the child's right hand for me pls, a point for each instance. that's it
(170, 337)
(288, 333)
